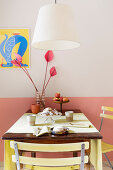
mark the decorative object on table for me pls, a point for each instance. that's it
(49, 112)
(35, 108)
(59, 130)
(31, 119)
(55, 28)
(40, 96)
(49, 115)
(14, 40)
(60, 100)
(69, 116)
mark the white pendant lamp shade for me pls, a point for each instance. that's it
(55, 28)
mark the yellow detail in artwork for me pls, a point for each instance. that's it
(14, 41)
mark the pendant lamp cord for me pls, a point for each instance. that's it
(55, 2)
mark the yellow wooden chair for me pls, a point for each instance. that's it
(70, 163)
(105, 146)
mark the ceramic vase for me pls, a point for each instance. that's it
(35, 108)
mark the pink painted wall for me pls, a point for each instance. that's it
(12, 108)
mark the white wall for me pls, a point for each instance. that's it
(86, 71)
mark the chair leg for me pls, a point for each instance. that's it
(87, 167)
(108, 160)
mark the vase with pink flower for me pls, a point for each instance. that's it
(39, 95)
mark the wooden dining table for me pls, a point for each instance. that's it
(94, 137)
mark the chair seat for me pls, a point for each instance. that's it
(106, 147)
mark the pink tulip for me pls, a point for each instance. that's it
(49, 56)
(53, 71)
(18, 57)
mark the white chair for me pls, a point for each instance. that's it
(60, 163)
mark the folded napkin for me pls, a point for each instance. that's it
(40, 131)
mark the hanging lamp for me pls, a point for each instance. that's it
(55, 28)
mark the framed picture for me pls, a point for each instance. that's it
(14, 41)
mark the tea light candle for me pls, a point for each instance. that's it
(69, 116)
(31, 119)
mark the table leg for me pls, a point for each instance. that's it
(75, 154)
(8, 152)
(96, 154)
(61, 107)
(33, 154)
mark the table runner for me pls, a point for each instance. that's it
(21, 126)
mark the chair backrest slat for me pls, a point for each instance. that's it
(50, 162)
(50, 147)
(105, 108)
(106, 116)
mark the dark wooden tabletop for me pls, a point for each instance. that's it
(49, 138)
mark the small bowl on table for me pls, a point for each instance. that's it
(59, 130)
